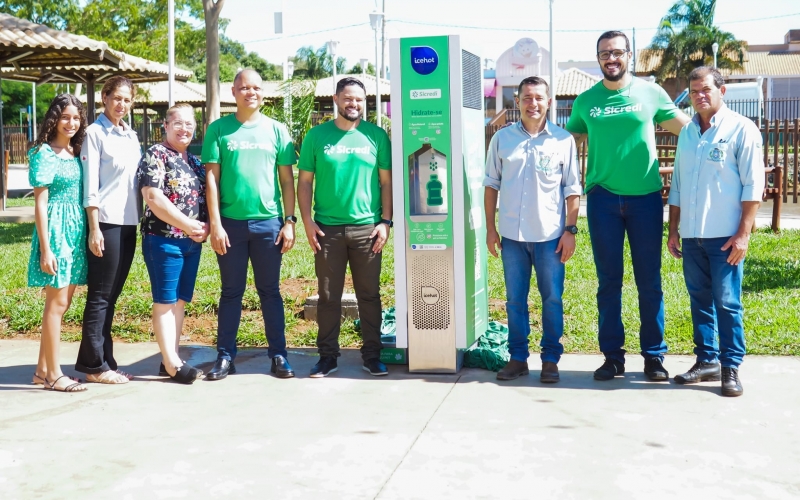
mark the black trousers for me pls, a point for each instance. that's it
(106, 277)
(340, 245)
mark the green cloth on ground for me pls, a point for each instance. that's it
(490, 352)
(388, 326)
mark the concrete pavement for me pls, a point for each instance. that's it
(403, 436)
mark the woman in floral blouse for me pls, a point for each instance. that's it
(173, 183)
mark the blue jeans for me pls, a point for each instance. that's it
(715, 292)
(172, 265)
(518, 258)
(610, 217)
(252, 240)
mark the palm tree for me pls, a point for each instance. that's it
(684, 40)
(297, 115)
(315, 64)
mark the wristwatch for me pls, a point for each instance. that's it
(291, 218)
(387, 222)
(571, 229)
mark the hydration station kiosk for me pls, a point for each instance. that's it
(438, 156)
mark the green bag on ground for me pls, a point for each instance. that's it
(490, 352)
(388, 326)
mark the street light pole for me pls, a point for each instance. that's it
(171, 50)
(332, 45)
(553, 89)
(715, 48)
(363, 62)
(376, 20)
(289, 99)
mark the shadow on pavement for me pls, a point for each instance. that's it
(256, 361)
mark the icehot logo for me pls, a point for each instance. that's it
(424, 60)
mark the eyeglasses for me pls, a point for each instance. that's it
(604, 55)
(179, 125)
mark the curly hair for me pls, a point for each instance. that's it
(47, 130)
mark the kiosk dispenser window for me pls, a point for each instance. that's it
(440, 251)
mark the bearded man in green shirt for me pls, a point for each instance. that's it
(623, 197)
(351, 160)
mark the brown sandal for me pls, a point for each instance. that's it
(76, 387)
(39, 380)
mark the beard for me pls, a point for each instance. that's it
(350, 115)
(617, 77)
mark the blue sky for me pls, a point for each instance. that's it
(500, 23)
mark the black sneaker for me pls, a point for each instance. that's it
(609, 370)
(375, 367)
(730, 382)
(654, 370)
(700, 372)
(324, 367)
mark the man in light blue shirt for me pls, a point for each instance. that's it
(716, 189)
(532, 166)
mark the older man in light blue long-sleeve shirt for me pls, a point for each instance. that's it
(716, 189)
(532, 167)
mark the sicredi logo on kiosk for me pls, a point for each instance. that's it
(424, 60)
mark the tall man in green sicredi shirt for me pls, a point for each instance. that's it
(351, 161)
(249, 159)
(623, 196)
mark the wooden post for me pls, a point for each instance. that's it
(796, 143)
(145, 126)
(778, 200)
(785, 185)
(765, 145)
(582, 153)
(3, 178)
(91, 112)
(777, 129)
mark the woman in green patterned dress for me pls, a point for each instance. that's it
(58, 253)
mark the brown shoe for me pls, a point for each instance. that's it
(549, 373)
(513, 369)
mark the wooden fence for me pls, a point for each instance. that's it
(781, 149)
(16, 142)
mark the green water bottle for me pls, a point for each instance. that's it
(434, 187)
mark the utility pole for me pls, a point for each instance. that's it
(383, 41)
(633, 59)
(170, 52)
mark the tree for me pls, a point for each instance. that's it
(18, 96)
(211, 10)
(684, 40)
(52, 13)
(296, 116)
(315, 64)
(357, 70)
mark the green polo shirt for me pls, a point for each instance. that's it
(621, 127)
(249, 156)
(345, 165)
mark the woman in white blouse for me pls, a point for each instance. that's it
(110, 157)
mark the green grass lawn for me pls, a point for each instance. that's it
(19, 202)
(771, 298)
